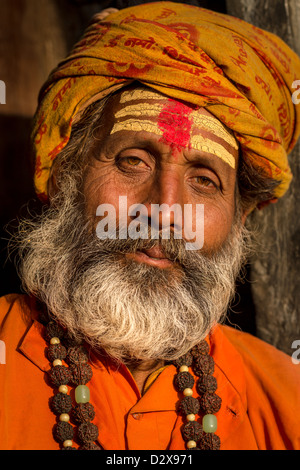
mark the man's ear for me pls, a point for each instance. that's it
(52, 187)
(246, 212)
(258, 206)
(245, 215)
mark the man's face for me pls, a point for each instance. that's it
(142, 299)
(156, 150)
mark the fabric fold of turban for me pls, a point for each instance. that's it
(242, 74)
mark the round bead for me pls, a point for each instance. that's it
(201, 349)
(78, 355)
(210, 403)
(189, 405)
(183, 380)
(187, 392)
(60, 375)
(183, 369)
(64, 431)
(90, 446)
(88, 432)
(54, 330)
(185, 360)
(191, 444)
(56, 351)
(63, 389)
(61, 403)
(191, 417)
(207, 383)
(210, 442)
(81, 373)
(83, 412)
(64, 417)
(204, 365)
(57, 362)
(192, 431)
(68, 443)
(82, 394)
(54, 340)
(209, 423)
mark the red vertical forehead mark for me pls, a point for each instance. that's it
(175, 122)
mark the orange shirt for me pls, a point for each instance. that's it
(259, 387)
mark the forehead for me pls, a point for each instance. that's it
(177, 124)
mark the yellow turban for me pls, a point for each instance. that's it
(243, 74)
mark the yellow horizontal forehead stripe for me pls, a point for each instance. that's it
(140, 109)
(206, 145)
(200, 121)
(140, 94)
(137, 126)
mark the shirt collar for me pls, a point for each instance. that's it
(33, 346)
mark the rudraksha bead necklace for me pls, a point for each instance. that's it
(197, 436)
(78, 372)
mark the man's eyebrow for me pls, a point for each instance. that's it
(128, 141)
(206, 159)
(210, 161)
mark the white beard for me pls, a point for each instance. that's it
(130, 310)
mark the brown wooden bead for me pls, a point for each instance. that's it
(56, 351)
(64, 431)
(83, 412)
(78, 354)
(207, 383)
(210, 441)
(192, 431)
(81, 373)
(200, 349)
(185, 360)
(204, 365)
(60, 375)
(183, 380)
(189, 405)
(210, 403)
(61, 403)
(87, 432)
(54, 330)
(90, 446)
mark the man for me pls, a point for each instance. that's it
(162, 110)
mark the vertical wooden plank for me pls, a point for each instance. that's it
(275, 272)
(34, 36)
(31, 44)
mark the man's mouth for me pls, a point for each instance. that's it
(153, 256)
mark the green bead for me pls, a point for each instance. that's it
(82, 394)
(209, 423)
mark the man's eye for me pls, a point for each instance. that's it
(133, 161)
(130, 161)
(205, 181)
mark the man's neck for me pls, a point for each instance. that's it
(141, 371)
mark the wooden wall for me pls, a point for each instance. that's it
(275, 272)
(34, 36)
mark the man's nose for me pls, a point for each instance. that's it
(165, 200)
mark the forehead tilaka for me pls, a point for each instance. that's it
(176, 123)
